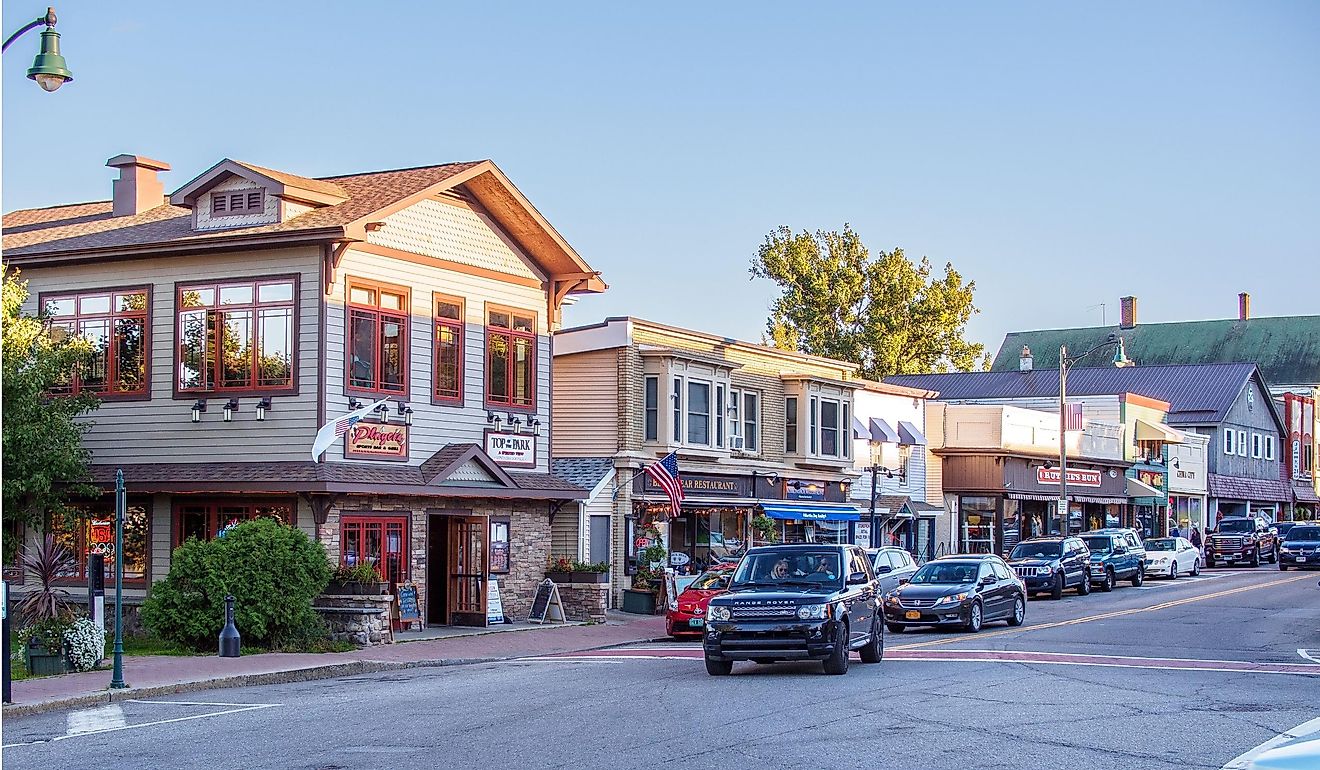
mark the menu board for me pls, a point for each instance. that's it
(408, 609)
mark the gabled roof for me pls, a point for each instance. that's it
(284, 185)
(1197, 394)
(1286, 348)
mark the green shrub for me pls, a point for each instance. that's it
(274, 573)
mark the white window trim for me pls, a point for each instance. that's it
(678, 430)
(688, 382)
(1242, 443)
(647, 380)
(1269, 447)
(1257, 446)
(747, 418)
(838, 427)
(1228, 440)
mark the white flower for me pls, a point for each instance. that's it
(86, 643)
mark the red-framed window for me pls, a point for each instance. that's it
(377, 337)
(74, 531)
(204, 519)
(236, 336)
(116, 324)
(448, 364)
(510, 358)
(381, 541)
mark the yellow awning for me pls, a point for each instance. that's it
(1154, 431)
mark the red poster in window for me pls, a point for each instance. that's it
(377, 441)
(101, 538)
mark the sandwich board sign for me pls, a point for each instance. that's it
(546, 604)
(494, 605)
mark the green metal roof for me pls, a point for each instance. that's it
(1286, 348)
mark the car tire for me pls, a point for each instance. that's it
(1255, 557)
(1173, 571)
(1019, 613)
(1084, 587)
(875, 646)
(1196, 568)
(1139, 577)
(1210, 562)
(719, 667)
(975, 618)
(895, 628)
(1283, 567)
(1274, 555)
(837, 662)
(1056, 590)
(1110, 581)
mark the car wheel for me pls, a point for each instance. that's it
(1255, 558)
(1196, 568)
(974, 618)
(1173, 571)
(1110, 581)
(1139, 577)
(875, 647)
(1274, 555)
(837, 662)
(1056, 590)
(1210, 561)
(719, 667)
(1283, 567)
(1019, 612)
(1084, 588)
(895, 628)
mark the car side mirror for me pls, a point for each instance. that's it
(1122, 549)
(902, 581)
(883, 569)
(988, 580)
(857, 578)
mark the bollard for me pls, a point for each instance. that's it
(229, 638)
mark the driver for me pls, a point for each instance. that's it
(780, 570)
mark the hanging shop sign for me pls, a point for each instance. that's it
(1076, 477)
(511, 449)
(1151, 478)
(800, 489)
(376, 441)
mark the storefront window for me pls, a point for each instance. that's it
(499, 545)
(814, 531)
(381, 541)
(1015, 528)
(205, 520)
(721, 534)
(976, 524)
(74, 532)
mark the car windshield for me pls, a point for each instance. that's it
(1303, 533)
(1098, 544)
(1036, 551)
(711, 581)
(1239, 525)
(947, 572)
(785, 567)
(1162, 544)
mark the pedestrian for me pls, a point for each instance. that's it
(1196, 537)
(1174, 531)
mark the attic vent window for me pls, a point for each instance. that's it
(238, 203)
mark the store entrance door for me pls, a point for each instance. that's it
(468, 567)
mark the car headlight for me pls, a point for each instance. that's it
(954, 599)
(813, 611)
(717, 612)
(1285, 549)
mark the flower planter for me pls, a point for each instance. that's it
(340, 588)
(560, 577)
(42, 662)
(638, 602)
(591, 577)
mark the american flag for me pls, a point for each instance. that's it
(1072, 418)
(331, 431)
(665, 473)
(344, 423)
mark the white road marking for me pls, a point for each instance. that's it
(1242, 760)
(1311, 655)
(96, 720)
(1152, 582)
(112, 729)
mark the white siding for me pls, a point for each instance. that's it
(160, 430)
(451, 232)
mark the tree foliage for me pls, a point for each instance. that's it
(44, 460)
(883, 312)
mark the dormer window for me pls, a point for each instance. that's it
(234, 203)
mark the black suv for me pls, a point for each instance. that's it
(965, 591)
(1301, 549)
(796, 602)
(1052, 564)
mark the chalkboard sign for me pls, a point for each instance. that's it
(408, 610)
(546, 603)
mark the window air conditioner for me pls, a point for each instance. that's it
(737, 443)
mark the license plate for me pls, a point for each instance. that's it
(912, 615)
(697, 622)
(1301, 559)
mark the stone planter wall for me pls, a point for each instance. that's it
(360, 619)
(585, 601)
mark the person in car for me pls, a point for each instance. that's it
(826, 568)
(780, 570)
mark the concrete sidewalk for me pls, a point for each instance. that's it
(153, 675)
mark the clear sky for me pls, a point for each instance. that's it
(1060, 154)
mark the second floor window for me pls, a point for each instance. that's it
(236, 336)
(791, 424)
(829, 428)
(698, 413)
(377, 338)
(652, 396)
(115, 324)
(510, 358)
(449, 349)
(745, 418)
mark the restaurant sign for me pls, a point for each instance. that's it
(376, 441)
(512, 449)
(1076, 477)
(798, 489)
(694, 484)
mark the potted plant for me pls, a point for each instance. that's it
(44, 651)
(360, 579)
(591, 572)
(559, 570)
(640, 599)
(765, 528)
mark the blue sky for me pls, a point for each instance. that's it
(1060, 154)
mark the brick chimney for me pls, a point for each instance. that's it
(138, 188)
(1244, 306)
(1127, 316)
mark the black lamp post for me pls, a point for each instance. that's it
(1065, 361)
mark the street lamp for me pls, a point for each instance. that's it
(875, 469)
(48, 68)
(1120, 360)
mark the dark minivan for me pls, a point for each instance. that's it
(1301, 548)
(796, 602)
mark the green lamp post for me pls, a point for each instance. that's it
(48, 68)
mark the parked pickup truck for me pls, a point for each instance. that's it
(1242, 538)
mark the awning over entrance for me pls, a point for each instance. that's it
(798, 510)
(1136, 488)
(1153, 431)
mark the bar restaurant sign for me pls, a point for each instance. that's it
(699, 484)
(512, 449)
(376, 441)
(1076, 477)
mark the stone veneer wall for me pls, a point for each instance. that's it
(529, 538)
(360, 619)
(585, 601)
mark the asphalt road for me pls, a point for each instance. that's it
(1140, 678)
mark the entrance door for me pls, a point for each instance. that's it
(468, 568)
(437, 570)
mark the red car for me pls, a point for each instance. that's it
(690, 615)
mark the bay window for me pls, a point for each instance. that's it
(677, 396)
(698, 413)
(448, 363)
(719, 416)
(652, 397)
(378, 320)
(236, 336)
(510, 358)
(813, 426)
(791, 424)
(115, 324)
(829, 428)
